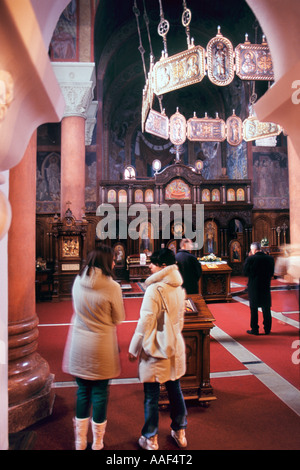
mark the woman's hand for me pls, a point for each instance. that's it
(131, 357)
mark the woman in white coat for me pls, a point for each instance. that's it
(160, 362)
(91, 353)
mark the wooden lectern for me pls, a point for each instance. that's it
(214, 284)
(195, 383)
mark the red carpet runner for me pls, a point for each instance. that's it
(246, 414)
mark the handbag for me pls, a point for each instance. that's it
(161, 342)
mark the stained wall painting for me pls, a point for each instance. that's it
(240, 194)
(235, 251)
(48, 182)
(178, 229)
(138, 195)
(237, 161)
(48, 178)
(215, 195)
(149, 195)
(116, 155)
(111, 196)
(205, 195)
(146, 240)
(270, 178)
(210, 153)
(230, 195)
(119, 255)
(116, 163)
(177, 189)
(122, 195)
(90, 181)
(64, 42)
(210, 237)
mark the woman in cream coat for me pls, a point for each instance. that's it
(156, 364)
(91, 353)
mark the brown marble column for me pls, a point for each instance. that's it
(77, 82)
(73, 165)
(29, 377)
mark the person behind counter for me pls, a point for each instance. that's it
(189, 267)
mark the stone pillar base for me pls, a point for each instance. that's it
(30, 411)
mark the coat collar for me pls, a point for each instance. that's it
(169, 275)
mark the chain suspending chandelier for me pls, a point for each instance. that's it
(219, 61)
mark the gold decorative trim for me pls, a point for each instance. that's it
(157, 124)
(177, 128)
(206, 129)
(254, 129)
(234, 129)
(70, 247)
(220, 60)
(253, 61)
(180, 70)
(148, 98)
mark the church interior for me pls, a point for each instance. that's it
(111, 109)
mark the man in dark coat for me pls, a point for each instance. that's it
(189, 267)
(259, 268)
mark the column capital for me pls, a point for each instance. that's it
(77, 81)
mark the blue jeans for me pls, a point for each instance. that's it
(92, 393)
(178, 411)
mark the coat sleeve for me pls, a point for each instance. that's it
(198, 268)
(247, 266)
(148, 314)
(182, 310)
(272, 266)
(117, 305)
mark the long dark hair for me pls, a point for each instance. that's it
(102, 257)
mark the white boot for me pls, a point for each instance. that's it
(81, 429)
(98, 434)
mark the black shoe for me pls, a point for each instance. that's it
(251, 332)
(267, 332)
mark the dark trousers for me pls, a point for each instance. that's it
(178, 412)
(267, 319)
(92, 394)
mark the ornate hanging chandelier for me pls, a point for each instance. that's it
(219, 61)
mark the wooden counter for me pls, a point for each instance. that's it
(214, 284)
(137, 271)
(195, 383)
